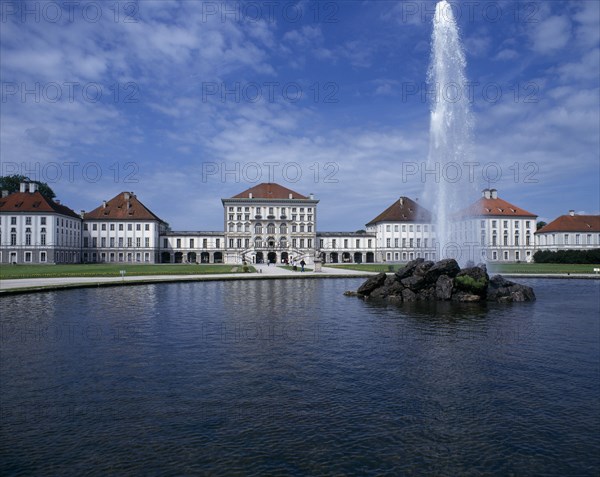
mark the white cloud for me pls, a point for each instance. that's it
(551, 34)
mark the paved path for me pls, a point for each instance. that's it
(263, 272)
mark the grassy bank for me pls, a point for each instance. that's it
(541, 268)
(111, 270)
(492, 268)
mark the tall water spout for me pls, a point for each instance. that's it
(448, 185)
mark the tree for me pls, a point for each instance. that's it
(12, 183)
(540, 224)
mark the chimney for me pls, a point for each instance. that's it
(290, 196)
(494, 193)
(33, 187)
(23, 187)
(486, 193)
(401, 201)
(572, 213)
(104, 204)
(82, 213)
(126, 195)
(4, 193)
(249, 195)
(312, 196)
(56, 201)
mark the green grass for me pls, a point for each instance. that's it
(112, 270)
(291, 269)
(541, 268)
(367, 267)
(492, 268)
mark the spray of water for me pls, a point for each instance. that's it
(448, 187)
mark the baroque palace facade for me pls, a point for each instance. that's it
(269, 222)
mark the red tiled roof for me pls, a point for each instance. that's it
(124, 206)
(269, 190)
(28, 202)
(573, 223)
(403, 210)
(494, 207)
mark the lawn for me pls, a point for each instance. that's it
(492, 268)
(540, 268)
(112, 270)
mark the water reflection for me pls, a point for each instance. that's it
(290, 376)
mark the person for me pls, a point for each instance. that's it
(302, 263)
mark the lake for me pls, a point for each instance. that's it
(290, 377)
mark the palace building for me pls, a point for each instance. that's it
(269, 222)
(34, 229)
(572, 232)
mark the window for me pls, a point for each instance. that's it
(42, 256)
(147, 242)
(239, 243)
(112, 242)
(396, 242)
(482, 224)
(218, 243)
(404, 242)
(577, 239)
(204, 243)
(387, 228)
(418, 243)
(112, 227)
(411, 243)
(138, 226)
(418, 228)
(147, 227)
(191, 243)
(230, 243)
(410, 228)
(178, 243)
(120, 242)
(425, 228)
(345, 243)
(129, 242)
(28, 256)
(102, 241)
(27, 220)
(494, 224)
(165, 243)
(129, 227)
(505, 224)
(28, 239)
(43, 239)
(589, 239)
(138, 242)
(334, 243)
(396, 228)
(566, 239)
(369, 242)
(85, 242)
(13, 221)
(301, 243)
(505, 255)
(516, 224)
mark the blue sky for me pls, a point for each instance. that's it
(188, 102)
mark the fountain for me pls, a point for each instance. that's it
(448, 188)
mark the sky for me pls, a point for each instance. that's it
(185, 103)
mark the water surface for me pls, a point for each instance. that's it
(290, 377)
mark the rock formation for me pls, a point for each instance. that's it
(422, 280)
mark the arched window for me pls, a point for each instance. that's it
(283, 229)
(239, 227)
(271, 228)
(258, 228)
(231, 227)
